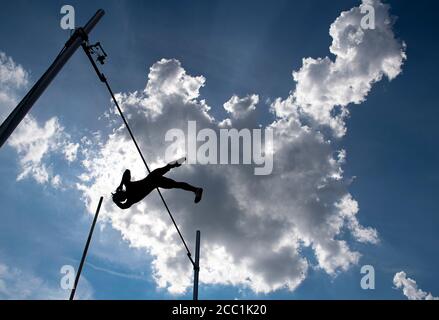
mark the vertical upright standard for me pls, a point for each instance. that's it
(197, 264)
(20, 111)
(84, 254)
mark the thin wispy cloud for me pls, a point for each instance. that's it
(18, 284)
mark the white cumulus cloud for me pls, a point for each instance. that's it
(13, 78)
(33, 141)
(241, 107)
(326, 86)
(410, 288)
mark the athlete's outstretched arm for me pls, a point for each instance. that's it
(125, 178)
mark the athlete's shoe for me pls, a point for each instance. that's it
(198, 195)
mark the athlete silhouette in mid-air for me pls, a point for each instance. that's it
(130, 192)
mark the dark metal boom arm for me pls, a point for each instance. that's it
(20, 111)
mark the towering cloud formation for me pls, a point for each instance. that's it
(253, 227)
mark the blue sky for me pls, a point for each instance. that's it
(240, 47)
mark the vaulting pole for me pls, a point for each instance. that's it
(20, 111)
(84, 254)
(104, 80)
(197, 264)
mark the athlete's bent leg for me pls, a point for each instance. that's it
(167, 183)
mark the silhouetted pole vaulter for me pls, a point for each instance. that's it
(84, 253)
(97, 50)
(130, 192)
(20, 111)
(196, 265)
